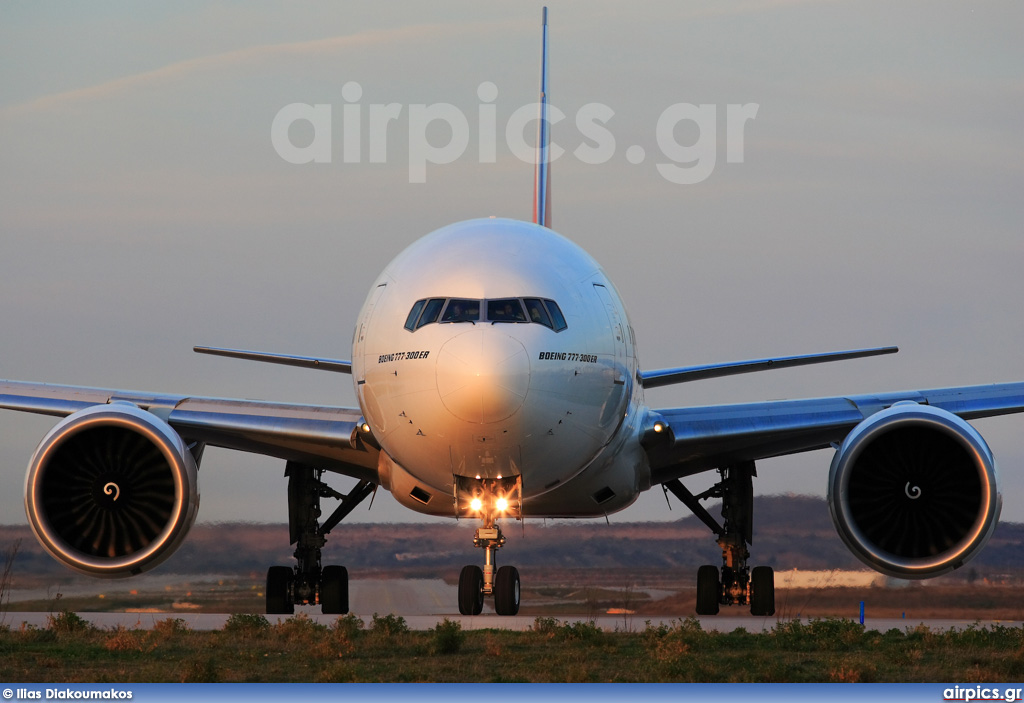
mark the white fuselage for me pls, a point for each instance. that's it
(506, 393)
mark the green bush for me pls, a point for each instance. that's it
(579, 631)
(31, 633)
(65, 623)
(582, 632)
(448, 637)
(300, 628)
(834, 633)
(546, 626)
(653, 633)
(790, 635)
(246, 624)
(388, 625)
(348, 626)
(170, 627)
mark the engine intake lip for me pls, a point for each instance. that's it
(909, 418)
(178, 475)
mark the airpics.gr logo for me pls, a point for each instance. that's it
(683, 164)
(981, 693)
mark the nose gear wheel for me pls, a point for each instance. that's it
(476, 583)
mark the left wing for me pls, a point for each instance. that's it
(696, 439)
(324, 436)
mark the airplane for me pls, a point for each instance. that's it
(497, 378)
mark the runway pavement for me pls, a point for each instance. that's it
(425, 602)
(215, 621)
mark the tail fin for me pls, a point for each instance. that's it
(542, 169)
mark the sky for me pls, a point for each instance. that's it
(144, 206)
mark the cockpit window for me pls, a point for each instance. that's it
(537, 310)
(414, 314)
(460, 310)
(505, 310)
(430, 311)
(556, 315)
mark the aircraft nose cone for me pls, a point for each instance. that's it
(483, 374)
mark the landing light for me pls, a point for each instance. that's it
(476, 504)
(501, 505)
(365, 427)
(659, 427)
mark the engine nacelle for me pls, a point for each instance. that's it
(914, 492)
(111, 491)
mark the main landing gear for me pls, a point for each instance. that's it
(489, 498)
(735, 583)
(308, 583)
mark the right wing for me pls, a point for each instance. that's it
(306, 362)
(323, 436)
(703, 438)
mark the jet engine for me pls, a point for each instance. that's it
(111, 491)
(913, 491)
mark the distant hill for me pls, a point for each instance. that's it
(789, 532)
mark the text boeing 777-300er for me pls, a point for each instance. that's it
(497, 378)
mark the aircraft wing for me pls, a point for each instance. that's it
(685, 374)
(322, 436)
(703, 438)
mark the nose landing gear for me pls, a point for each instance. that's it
(489, 498)
(475, 584)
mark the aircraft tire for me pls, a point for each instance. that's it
(709, 590)
(279, 581)
(506, 591)
(334, 590)
(471, 590)
(762, 591)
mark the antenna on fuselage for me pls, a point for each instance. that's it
(542, 169)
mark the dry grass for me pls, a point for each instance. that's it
(301, 650)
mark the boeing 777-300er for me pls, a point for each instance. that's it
(497, 379)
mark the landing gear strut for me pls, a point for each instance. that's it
(735, 583)
(308, 583)
(475, 583)
(489, 498)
